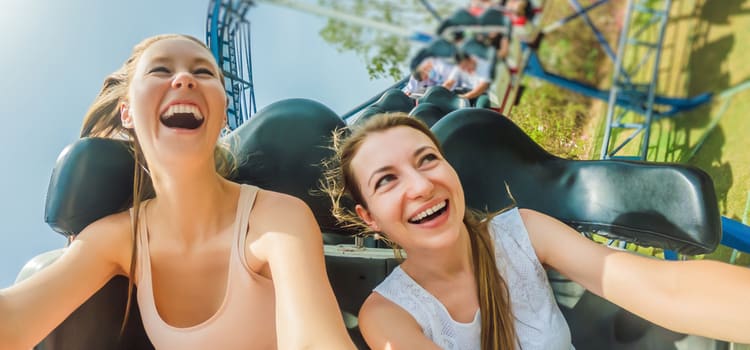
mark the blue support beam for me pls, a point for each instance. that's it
(735, 234)
(630, 98)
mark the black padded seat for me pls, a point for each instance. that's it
(93, 178)
(476, 48)
(447, 100)
(671, 206)
(428, 113)
(393, 100)
(439, 48)
(96, 324)
(461, 17)
(281, 149)
(493, 17)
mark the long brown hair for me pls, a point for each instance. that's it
(498, 331)
(103, 120)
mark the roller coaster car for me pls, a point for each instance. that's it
(662, 205)
(436, 102)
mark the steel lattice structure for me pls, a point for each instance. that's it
(228, 37)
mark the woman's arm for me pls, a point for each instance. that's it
(307, 314)
(701, 297)
(32, 308)
(387, 326)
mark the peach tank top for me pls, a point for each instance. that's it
(246, 318)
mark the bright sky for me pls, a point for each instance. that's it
(55, 55)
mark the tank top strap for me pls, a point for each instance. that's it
(248, 193)
(142, 262)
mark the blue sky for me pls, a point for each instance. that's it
(55, 55)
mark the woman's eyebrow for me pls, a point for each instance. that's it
(379, 170)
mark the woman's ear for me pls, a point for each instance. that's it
(364, 214)
(126, 116)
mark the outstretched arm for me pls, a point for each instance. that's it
(701, 297)
(307, 314)
(387, 326)
(32, 308)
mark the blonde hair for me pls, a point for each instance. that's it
(498, 331)
(103, 120)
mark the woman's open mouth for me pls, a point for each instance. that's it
(182, 116)
(430, 214)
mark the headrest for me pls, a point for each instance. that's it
(438, 48)
(476, 48)
(428, 113)
(671, 206)
(92, 178)
(393, 100)
(281, 148)
(461, 17)
(493, 17)
(443, 98)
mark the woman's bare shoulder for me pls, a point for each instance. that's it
(281, 208)
(112, 237)
(281, 220)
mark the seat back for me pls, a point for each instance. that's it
(393, 100)
(445, 99)
(93, 178)
(281, 149)
(493, 17)
(670, 206)
(461, 17)
(476, 48)
(438, 48)
(428, 113)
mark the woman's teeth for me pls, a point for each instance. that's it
(182, 109)
(182, 116)
(429, 211)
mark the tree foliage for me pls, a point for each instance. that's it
(385, 54)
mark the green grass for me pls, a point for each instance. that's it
(714, 137)
(704, 51)
(556, 118)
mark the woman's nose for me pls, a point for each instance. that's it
(419, 185)
(183, 80)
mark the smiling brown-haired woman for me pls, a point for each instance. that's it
(468, 284)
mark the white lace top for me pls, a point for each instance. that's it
(538, 321)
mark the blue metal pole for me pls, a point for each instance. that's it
(213, 32)
(735, 234)
(599, 36)
(431, 10)
(559, 23)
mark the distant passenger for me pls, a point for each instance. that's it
(471, 75)
(430, 72)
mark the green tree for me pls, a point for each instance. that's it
(385, 54)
